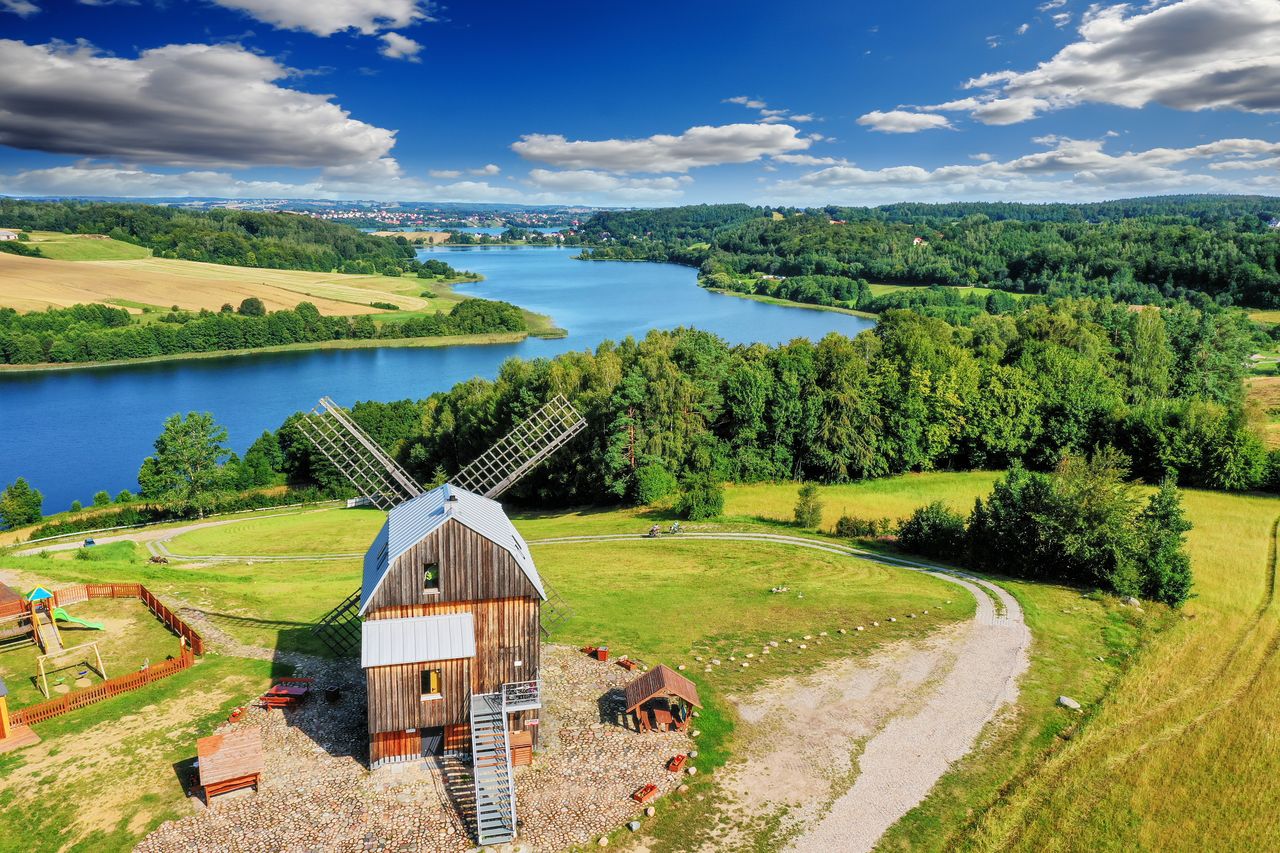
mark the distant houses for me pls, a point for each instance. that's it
(8, 235)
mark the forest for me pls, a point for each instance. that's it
(233, 237)
(1143, 251)
(90, 333)
(913, 394)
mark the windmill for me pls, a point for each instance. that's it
(386, 484)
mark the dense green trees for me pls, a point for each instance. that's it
(915, 393)
(1140, 251)
(99, 333)
(1083, 524)
(186, 469)
(20, 504)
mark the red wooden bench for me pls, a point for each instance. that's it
(287, 692)
(675, 765)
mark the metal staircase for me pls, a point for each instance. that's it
(491, 769)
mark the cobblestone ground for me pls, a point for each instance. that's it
(317, 795)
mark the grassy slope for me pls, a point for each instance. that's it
(83, 247)
(1182, 701)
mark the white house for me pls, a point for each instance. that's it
(8, 235)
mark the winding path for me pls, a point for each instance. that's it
(903, 761)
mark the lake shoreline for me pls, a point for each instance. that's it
(787, 303)
(481, 339)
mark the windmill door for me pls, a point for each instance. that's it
(432, 741)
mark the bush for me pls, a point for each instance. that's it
(653, 483)
(124, 497)
(76, 506)
(20, 504)
(102, 498)
(703, 498)
(853, 527)
(934, 531)
(808, 510)
(253, 307)
(386, 306)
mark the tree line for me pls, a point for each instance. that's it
(84, 333)
(234, 237)
(1150, 252)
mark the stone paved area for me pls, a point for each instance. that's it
(316, 794)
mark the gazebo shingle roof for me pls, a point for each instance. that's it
(662, 680)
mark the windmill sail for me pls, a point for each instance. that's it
(359, 458)
(521, 450)
(377, 475)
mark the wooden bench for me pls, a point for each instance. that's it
(627, 664)
(675, 765)
(287, 692)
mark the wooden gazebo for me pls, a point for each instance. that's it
(660, 684)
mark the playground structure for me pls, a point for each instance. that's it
(36, 617)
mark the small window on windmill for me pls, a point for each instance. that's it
(431, 684)
(431, 578)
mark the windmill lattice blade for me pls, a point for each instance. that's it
(519, 451)
(339, 629)
(357, 456)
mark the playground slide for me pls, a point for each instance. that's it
(59, 613)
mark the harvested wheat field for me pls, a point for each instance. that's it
(34, 284)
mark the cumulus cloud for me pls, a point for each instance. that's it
(697, 146)
(903, 121)
(1069, 168)
(586, 181)
(326, 17)
(808, 160)
(1187, 55)
(396, 46)
(183, 105)
(488, 169)
(445, 173)
(769, 115)
(21, 8)
(88, 179)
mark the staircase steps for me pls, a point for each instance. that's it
(491, 771)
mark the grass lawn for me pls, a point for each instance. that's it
(103, 777)
(131, 636)
(85, 247)
(326, 531)
(1178, 702)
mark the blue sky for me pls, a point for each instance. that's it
(639, 103)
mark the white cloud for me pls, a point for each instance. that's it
(1022, 29)
(1061, 19)
(697, 146)
(902, 121)
(183, 105)
(21, 8)
(1051, 4)
(489, 169)
(769, 115)
(1069, 169)
(445, 173)
(982, 157)
(396, 46)
(808, 160)
(326, 17)
(1186, 55)
(581, 181)
(993, 41)
(115, 180)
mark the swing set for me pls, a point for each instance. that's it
(44, 674)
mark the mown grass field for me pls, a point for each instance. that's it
(85, 247)
(33, 284)
(1175, 703)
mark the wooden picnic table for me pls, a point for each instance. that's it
(285, 694)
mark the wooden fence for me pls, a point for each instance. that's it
(192, 644)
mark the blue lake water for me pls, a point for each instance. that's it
(73, 432)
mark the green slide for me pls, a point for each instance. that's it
(59, 613)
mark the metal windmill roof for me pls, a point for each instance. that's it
(417, 639)
(410, 522)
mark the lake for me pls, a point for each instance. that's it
(73, 432)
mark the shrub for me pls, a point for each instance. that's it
(703, 498)
(124, 497)
(20, 504)
(102, 498)
(386, 306)
(934, 531)
(253, 307)
(853, 527)
(653, 483)
(76, 506)
(808, 510)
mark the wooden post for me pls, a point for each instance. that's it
(4, 712)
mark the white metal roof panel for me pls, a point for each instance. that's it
(417, 639)
(416, 518)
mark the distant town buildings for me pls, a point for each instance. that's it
(8, 235)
